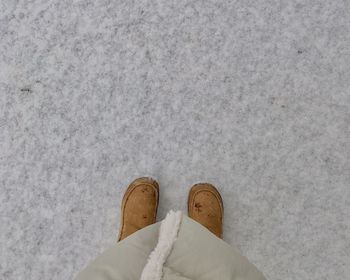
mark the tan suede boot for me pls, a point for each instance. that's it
(139, 206)
(206, 207)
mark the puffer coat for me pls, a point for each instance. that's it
(178, 248)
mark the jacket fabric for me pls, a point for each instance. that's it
(178, 248)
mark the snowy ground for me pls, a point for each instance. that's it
(252, 96)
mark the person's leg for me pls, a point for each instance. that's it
(206, 207)
(139, 206)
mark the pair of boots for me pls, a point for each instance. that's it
(140, 204)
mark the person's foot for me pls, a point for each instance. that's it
(205, 206)
(139, 206)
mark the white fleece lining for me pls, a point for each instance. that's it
(168, 232)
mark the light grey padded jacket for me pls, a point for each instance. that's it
(178, 248)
